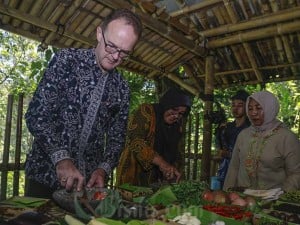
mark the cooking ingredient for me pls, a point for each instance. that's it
(291, 196)
(233, 196)
(231, 211)
(239, 202)
(251, 202)
(218, 222)
(109, 205)
(95, 222)
(220, 197)
(70, 220)
(189, 192)
(99, 195)
(187, 219)
(208, 195)
(79, 210)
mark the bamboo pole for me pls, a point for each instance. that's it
(253, 62)
(282, 16)
(288, 51)
(257, 34)
(207, 126)
(180, 82)
(5, 158)
(251, 69)
(195, 7)
(190, 72)
(196, 147)
(186, 156)
(18, 146)
(43, 24)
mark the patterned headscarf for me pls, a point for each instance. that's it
(270, 105)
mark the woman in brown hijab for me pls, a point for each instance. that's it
(154, 131)
(267, 154)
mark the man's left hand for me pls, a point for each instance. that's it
(97, 179)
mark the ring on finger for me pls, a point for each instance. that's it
(64, 179)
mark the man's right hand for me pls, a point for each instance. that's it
(69, 176)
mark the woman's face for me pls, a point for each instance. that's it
(255, 113)
(172, 116)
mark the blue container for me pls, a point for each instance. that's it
(215, 183)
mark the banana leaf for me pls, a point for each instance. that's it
(163, 196)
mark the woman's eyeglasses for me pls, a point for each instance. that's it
(112, 49)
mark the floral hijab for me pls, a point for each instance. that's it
(270, 106)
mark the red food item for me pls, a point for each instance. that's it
(99, 195)
(208, 195)
(239, 202)
(231, 211)
(233, 196)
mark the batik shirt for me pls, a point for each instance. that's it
(66, 121)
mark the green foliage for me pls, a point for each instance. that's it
(141, 89)
(21, 64)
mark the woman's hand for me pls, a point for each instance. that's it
(169, 172)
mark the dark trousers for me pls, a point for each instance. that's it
(38, 190)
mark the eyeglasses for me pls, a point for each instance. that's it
(112, 49)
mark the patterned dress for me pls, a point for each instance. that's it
(135, 165)
(265, 160)
(77, 112)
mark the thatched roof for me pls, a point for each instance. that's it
(251, 41)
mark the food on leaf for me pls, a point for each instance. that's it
(220, 197)
(233, 196)
(99, 195)
(208, 195)
(239, 202)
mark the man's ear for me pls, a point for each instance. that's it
(99, 34)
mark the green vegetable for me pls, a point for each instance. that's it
(108, 206)
(189, 192)
(79, 210)
(110, 221)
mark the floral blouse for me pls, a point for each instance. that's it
(77, 112)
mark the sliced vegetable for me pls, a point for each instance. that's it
(70, 220)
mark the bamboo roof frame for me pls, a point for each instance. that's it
(235, 31)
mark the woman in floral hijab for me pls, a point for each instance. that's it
(267, 154)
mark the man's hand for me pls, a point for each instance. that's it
(68, 175)
(97, 178)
